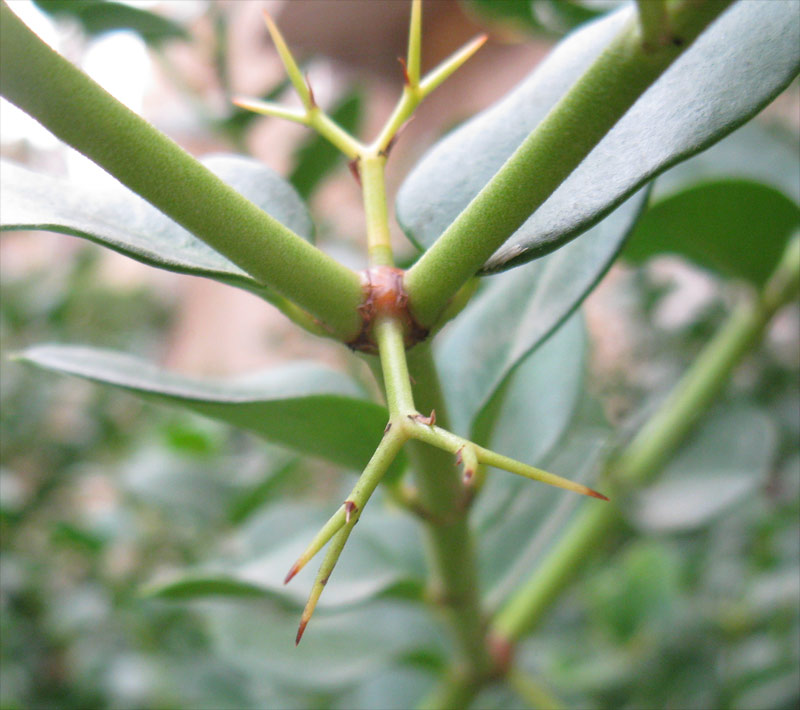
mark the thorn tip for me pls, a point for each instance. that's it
(300, 631)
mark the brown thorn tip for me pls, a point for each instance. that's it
(310, 92)
(349, 509)
(300, 631)
(595, 494)
(406, 78)
(353, 165)
(292, 572)
(387, 429)
(458, 456)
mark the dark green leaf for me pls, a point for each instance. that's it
(117, 218)
(98, 17)
(737, 228)
(724, 462)
(734, 68)
(516, 312)
(308, 408)
(316, 157)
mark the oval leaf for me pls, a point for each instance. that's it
(118, 218)
(517, 311)
(740, 63)
(734, 227)
(306, 407)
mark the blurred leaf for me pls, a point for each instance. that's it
(339, 649)
(100, 16)
(251, 499)
(550, 16)
(724, 462)
(737, 228)
(117, 218)
(316, 158)
(715, 86)
(518, 311)
(270, 544)
(395, 688)
(641, 590)
(306, 407)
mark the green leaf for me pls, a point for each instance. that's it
(316, 157)
(736, 228)
(116, 217)
(739, 64)
(723, 463)
(98, 17)
(516, 312)
(377, 563)
(303, 406)
(338, 650)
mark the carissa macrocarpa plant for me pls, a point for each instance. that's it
(517, 215)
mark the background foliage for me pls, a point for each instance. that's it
(107, 502)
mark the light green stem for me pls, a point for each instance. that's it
(600, 97)
(373, 188)
(85, 116)
(652, 447)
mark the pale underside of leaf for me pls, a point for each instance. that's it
(304, 406)
(732, 71)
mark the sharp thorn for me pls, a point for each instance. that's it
(595, 494)
(349, 509)
(300, 631)
(406, 77)
(296, 567)
(353, 165)
(310, 93)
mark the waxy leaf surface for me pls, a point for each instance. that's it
(116, 217)
(303, 406)
(741, 62)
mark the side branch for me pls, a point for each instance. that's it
(85, 116)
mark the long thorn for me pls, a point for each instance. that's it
(449, 65)
(267, 108)
(325, 569)
(536, 474)
(334, 524)
(292, 70)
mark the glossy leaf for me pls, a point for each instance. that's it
(741, 62)
(98, 17)
(736, 228)
(115, 217)
(518, 311)
(303, 406)
(723, 463)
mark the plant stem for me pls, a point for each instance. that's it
(373, 187)
(85, 116)
(449, 544)
(575, 125)
(652, 446)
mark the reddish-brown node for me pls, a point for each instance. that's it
(349, 509)
(385, 295)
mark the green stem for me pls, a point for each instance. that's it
(652, 447)
(591, 107)
(653, 23)
(389, 335)
(373, 187)
(85, 116)
(449, 545)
